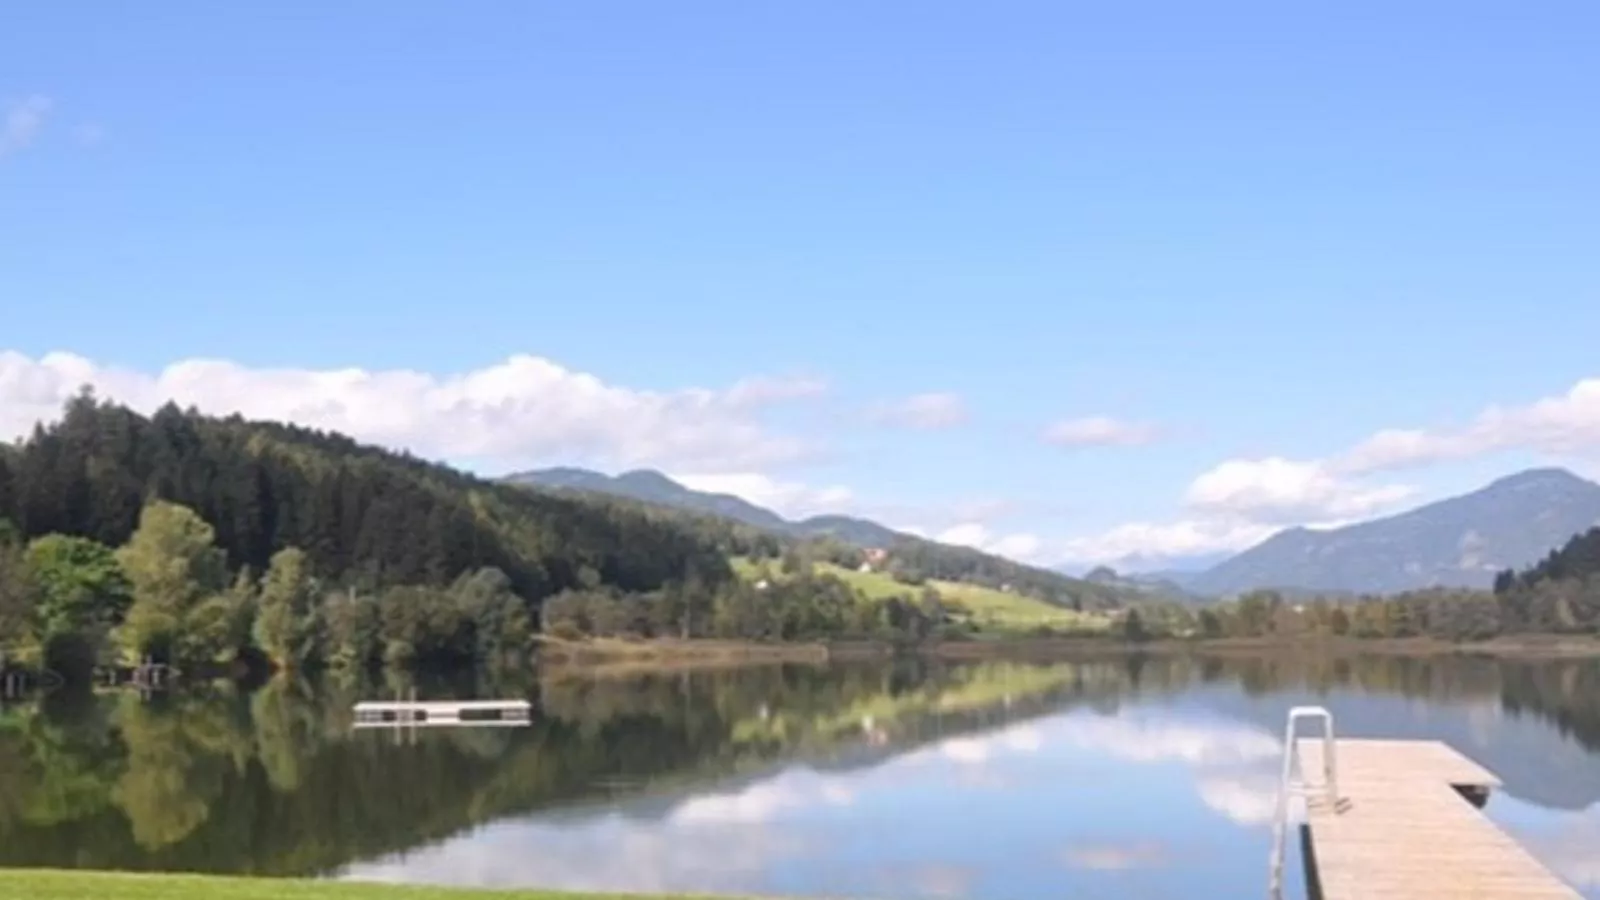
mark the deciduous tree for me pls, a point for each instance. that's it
(172, 566)
(287, 628)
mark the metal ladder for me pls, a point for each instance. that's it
(1292, 783)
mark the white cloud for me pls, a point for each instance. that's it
(1396, 448)
(1023, 547)
(1100, 431)
(1247, 798)
(1234, 765)
(1236, 505)
(925, 412)
(526, 410)
(1025, 738)
(1282, 491)
(790, 499)
(22, 122)
(1020, 738)
(1566, 424)
(1156, 740)
(926, 519)
(764, 390)
(970, 751)
(762, 801)
(1239, 502)
(1115, 857)
(1164, 540)
(963, 524)
(595, 850)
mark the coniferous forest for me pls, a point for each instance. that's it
(210, 542)
(198, 540)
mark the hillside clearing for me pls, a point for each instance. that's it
(989, 608)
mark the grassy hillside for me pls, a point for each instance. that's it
(990, 608)
(838, 537)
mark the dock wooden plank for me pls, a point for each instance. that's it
(440, 706)
(1401, 830)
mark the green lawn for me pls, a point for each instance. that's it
(991, 608)
(28, 884)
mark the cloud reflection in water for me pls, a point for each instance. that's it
(963, 816)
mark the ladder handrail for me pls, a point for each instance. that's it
(1287, 786)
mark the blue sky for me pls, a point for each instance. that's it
(1240, 238)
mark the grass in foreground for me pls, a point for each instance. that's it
(73, 885)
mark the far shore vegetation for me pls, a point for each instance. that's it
(227, 548)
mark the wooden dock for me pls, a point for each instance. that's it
(438, 713)
(1405, 825)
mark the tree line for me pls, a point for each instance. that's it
(71, 604)
(362, 514)
(368, 556)
(910, 560)
(205, 542)
(1558, 595)
(809, 606)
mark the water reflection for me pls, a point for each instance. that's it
(1113, 777)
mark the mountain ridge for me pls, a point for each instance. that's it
(1461, 541)
(930, 558)
(652, 486)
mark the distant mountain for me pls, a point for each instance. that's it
(1158, 567)
(1460, 542)
(850, 530)
(1155, 585)
(930, 558)
(654, 487)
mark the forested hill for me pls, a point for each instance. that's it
(363, 515)
(910, 556)
(1576, 561)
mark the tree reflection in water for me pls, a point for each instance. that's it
(275, 781)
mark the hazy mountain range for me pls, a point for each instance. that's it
(1460, 542)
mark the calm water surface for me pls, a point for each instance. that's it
(1126, 778)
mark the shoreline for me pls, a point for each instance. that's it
(81, 884)
(1532, 647)
(619, 657)
(616, 656)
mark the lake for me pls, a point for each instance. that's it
(1124, 777)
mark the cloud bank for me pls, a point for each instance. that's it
(1239, 502)
(523, 411)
